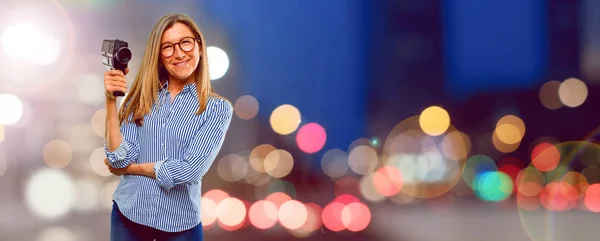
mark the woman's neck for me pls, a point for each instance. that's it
(176, 85)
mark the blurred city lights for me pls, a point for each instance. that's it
(360, 142)
(493, 186)
(263, 214)
(48, 50)
(530, 181)
(20, 40)
(356, 216)
(292, 214)
(313, 221)
(26, 41)
(246, 107)
(11, 109)
(572, 92)
(218, 62)
(434, 120)
(231, 212)
(362, 159)
(50, 193)
(332, 216)
(388, 180)
(335, 163)
(97, 162)
(279, 163)
(56, 233)
(558, 196)
(456, 145)
(477, 165)
(424, 160)
(232, 167)
(57, 153)
(98, 122)
(209, 211)
(258, 155)
(545, 157)
(285, 119)
(368, 189)
(311, 138)
(549, 95)
(510, 129)
(592, 197)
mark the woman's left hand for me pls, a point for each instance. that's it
(117, 171)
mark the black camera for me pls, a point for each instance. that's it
(116, 55)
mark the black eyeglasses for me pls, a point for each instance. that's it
(186, 44)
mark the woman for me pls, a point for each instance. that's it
(165, 137)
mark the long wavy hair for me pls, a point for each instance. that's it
(151, 76)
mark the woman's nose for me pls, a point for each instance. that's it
(179, 53)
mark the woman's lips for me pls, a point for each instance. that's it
(180, 64)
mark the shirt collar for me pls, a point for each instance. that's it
(187, 88)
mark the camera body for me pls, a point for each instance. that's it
(116, 55)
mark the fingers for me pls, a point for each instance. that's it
(115, 72)
(114, 80)
(112, 169)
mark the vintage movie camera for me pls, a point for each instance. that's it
(116, 55)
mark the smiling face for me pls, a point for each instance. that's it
(180, 52)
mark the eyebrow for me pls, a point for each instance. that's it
(167, 42)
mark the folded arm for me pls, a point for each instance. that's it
(121, 146)
(198, 157)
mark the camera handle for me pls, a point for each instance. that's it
(118, 93)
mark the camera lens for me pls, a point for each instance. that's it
(123, 55)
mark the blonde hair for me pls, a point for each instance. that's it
(144, 91)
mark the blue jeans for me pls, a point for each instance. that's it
(122, 229)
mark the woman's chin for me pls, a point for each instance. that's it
(181, 77)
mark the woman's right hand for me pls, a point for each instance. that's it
(114, 80)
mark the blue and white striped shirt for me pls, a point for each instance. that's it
(183, 146)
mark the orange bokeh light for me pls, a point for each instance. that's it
(545, 157)
(592, 198)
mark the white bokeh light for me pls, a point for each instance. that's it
(97, 162)
(47, 50)
(218, 62)
(11, 109)
(50, 193)
(17, 40)
(26, 41)
(55, 233)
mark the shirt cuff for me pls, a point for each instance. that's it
(116, 158)
(162, 175)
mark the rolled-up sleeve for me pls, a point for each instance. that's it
(128, 151)
(201, 152)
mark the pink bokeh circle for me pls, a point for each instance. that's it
(311, 138)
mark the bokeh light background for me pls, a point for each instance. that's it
(354, 120)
